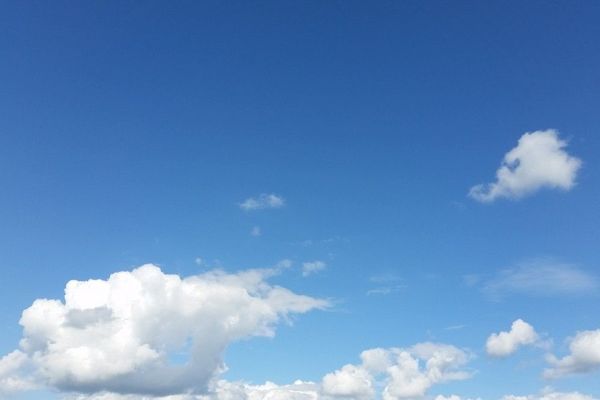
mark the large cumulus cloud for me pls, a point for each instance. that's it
(120, 335)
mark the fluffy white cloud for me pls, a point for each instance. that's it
(584, 356)
(538, 161)
(505, 343)
(11, 377)
(403, 373)
(349, 381)
(311, 267)
(126, 334)
(541, 278)
(263, 201)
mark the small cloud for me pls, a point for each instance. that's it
(199, 261)
(506, 343)
(538, 161)
(455, 327)
(262, 202)
(309, 268)
(541, 278)
(384, 290)
(255, 231)
(584, 356)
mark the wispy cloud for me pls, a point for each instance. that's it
(386, 284)
(538, 161)
(255, 231)
(309, 268)
(540, 278)
(262, 201)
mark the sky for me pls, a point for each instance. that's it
(318, 200)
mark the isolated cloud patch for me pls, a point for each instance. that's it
(551, 395)
(538, 161)
(262, 201)
(505, 343)
(584, 356)
(311, 267)
(541, 278)
(119, 335)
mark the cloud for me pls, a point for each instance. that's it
(505, 343)
(538, 161)
(584, 356)
(309, 268)
(11, 377)
(255, 231)
(263, 201)
(551, 395)
(120, 335)
(541, 278)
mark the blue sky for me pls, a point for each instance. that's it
(133, 133)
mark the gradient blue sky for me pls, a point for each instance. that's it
(130, 132)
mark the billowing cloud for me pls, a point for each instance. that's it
(262, 201)
(311, 267)
(127, 334)
(505, 343)
(403, 373)
(12, 379)
(541, 278)
(584, 356)
(538, 161)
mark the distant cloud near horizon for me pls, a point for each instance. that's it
(262, 202)
(538, 161)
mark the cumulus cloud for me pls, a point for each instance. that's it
(402, 372)
(309, 268)
(538, 161)
(262, 201)
(12, 379)
(505, 343)
(119, 335)
(584, 356)
(541, 278)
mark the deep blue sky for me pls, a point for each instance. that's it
(131, 131)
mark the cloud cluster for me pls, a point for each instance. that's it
(538, 161)
(263, 201)
(150, 333)
(584, 356)
(505, 343)
(403, 372)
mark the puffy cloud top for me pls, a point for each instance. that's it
(505, 343)
(584, 356)
(119, 335)
(538, 161)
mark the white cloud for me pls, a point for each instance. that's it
(255, 231)
(309, 268)
(505, 343)
(349, 381)
(584, 356)
(11, 377)
(551, 395)
(263, 201)
(541, 278)
(120, 335)
(538, 161)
